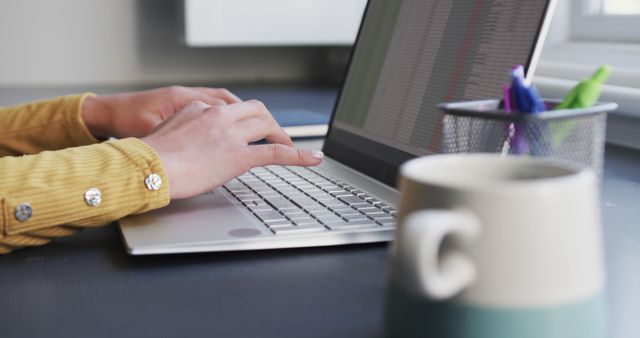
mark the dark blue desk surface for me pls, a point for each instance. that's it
(86, 286)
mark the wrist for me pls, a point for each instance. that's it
(166, 160)
(95, 116)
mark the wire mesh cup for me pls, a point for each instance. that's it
(572, 136)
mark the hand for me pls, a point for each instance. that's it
(203, 147)
(137, 114)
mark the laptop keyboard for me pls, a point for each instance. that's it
(304, 200)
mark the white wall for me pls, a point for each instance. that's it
(111, 42)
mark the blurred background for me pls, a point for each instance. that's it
(105, 42)
(257, 46)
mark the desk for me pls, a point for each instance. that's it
(86, 286)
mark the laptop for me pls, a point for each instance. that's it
(409, 56)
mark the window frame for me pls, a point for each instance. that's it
(589, 23)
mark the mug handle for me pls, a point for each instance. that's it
(428, 267)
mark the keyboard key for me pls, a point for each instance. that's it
(300, 217)
(316, 207)
(289, 212)
(374, 215)
(321, 213)
(359, 206)
(286, 190)
(295, 195)
(234, 184)
(329, 188)
(307, 222)
(330, 219)
(314, 191)
(351, 200)
(302, 199)
(345, 211)
(246, 198)
(357, 192)
(298, 229)
(258, 185)
(270, 215)
(263, 207)
(279, 224)
(334, 204)
(355, 217)
(340, 192)
(280, 203)
(351, 225)
(369, 209)
(239, 190)
(387, 222)
(383, 206)
(382, 217)
(323, 197)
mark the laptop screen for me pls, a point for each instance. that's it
(411, 55)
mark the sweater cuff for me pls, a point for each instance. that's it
(78, 131)
(145, 158)
(79, 187)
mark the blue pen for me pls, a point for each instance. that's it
(518, 89)
(527, 96)
(527, 101)
(517, 141)
(535, 102)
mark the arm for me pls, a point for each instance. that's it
(44, 125)
(77, 120)
(54, 183)
(199, 148)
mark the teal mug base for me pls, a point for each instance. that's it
(408, 315)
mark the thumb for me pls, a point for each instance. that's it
(280, 154)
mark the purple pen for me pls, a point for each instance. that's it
(506, 93)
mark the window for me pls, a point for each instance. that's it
(606, 20)
(586, 34)
(620, 7)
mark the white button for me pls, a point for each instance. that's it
(153, 182)
(23, 212)
(93, 197)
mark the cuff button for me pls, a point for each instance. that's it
(24, 212)
(153, 182)
(93, 197)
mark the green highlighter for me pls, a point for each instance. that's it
(584, 94)
(587, 92)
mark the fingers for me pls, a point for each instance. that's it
(197, 105)
(247, 110)
(259, 122)
(219, 93)
(263, 127)
(212, 101)
(268, 154)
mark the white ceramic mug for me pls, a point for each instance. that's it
(491, 246)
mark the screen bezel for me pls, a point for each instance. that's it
(359, 153)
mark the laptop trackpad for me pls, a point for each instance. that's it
(203, 219)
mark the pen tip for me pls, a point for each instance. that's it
(602, 74)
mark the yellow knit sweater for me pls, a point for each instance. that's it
(49, 159)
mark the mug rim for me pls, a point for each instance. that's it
(568, 172)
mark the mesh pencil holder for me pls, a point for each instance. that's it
(572, 136)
